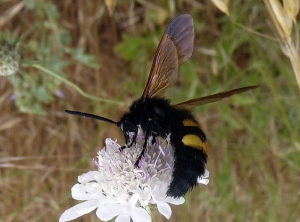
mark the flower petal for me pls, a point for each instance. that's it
(87, 177)
(111, 146)
(78, 210)
(139, 214)
(204, 178)
(134, 198)
(123, 218)
(108, 211)
(164, 209)
(176, 201)
(78, 192)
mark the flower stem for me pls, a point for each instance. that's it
(148, 209)
(74, 86)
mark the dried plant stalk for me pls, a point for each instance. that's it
(222, 5)
(292, 7)
(283, 17)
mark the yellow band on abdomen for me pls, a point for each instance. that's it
(194, 141)
(189, 122)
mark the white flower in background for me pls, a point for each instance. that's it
(204, 179)
(9, 59)
(120, 190)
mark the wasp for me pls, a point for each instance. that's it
(158, 118)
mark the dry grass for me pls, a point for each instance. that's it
(284, 17)
(254, 139)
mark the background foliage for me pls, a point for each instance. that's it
(254, 137)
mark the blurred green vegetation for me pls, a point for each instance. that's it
(253, 137)
(48, 46)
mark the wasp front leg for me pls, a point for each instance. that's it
(129, 140)
(147, 135)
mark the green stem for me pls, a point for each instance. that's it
(74, 86)
(148, 209)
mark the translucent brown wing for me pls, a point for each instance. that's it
(175, 47)
(214, 97)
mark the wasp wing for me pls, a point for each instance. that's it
(214, 97)
(175, 47)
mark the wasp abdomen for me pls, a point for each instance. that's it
(190, 157)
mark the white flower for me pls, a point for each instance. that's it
(120, 190)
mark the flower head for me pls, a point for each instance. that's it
(122, 191)
(9, 59)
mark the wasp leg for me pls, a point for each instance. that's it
(141, 154)
(125, 146)
(144, 147)
(122, 148)
(126, 141)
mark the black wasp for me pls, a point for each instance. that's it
(158, 118)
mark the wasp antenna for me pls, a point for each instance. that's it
(88, 115)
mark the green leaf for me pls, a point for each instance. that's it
(86, 59)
